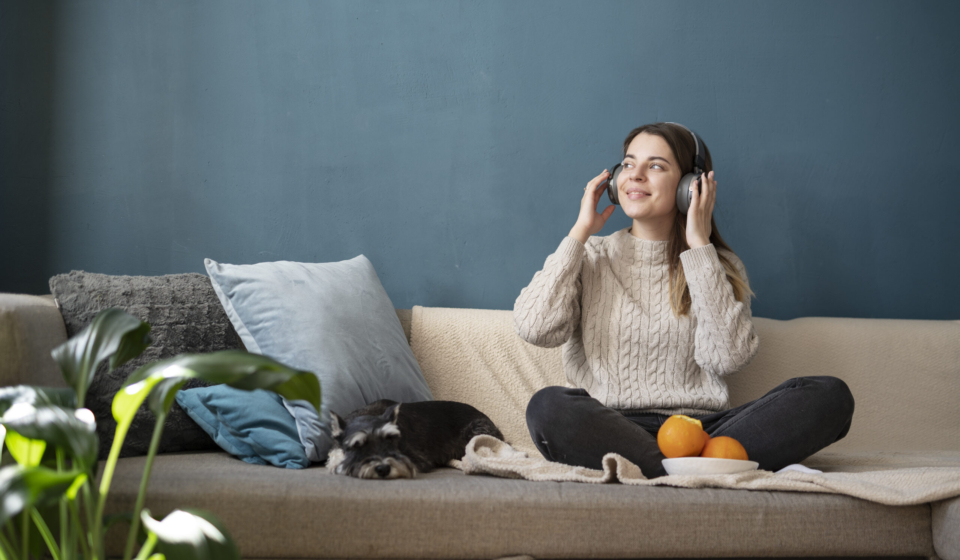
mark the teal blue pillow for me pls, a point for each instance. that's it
(252, 425)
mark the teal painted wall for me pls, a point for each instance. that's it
(449, 142)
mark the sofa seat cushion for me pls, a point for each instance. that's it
(310, 513)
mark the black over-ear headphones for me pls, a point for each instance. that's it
(683, 189)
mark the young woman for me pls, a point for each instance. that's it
(651, 319)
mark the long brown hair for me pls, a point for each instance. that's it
(684, 148)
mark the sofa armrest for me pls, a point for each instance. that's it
(30, 327)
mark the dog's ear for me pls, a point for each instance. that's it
(390, 415)
(336, 425)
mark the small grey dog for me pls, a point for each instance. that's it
(385, 440)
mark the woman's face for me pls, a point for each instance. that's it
(647, 186)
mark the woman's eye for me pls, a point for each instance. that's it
(657, 165)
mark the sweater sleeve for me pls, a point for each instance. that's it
(725, 338)
(547, 311)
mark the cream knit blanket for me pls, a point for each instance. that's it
(896, 487)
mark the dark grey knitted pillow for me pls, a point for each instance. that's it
(185, 316)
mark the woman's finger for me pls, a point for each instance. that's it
(597, 180)
(591, 194)
(713, 189)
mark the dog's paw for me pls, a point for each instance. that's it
(334, 458)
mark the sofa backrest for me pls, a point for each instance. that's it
(904, 374)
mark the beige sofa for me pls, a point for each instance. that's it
(905, 377)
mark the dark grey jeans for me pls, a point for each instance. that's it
(790, 423)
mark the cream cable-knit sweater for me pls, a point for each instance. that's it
(608, 303)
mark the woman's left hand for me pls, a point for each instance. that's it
(700, 213)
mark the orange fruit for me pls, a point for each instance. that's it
(724, 447)
(681, 436)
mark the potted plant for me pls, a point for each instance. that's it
(61, 483)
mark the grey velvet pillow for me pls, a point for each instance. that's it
(185, 316)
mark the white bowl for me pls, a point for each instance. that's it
(707, 465)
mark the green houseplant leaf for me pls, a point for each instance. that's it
(22, 487)
(237, 368)
(25, 451)
(190, 535)
(125, 404)
(36, 396)
(113, 334)
(70, 430)
(163, 395)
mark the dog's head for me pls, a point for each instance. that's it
(367, 447)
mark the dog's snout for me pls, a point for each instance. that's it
(382, 470)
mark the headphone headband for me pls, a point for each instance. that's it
(699, 161)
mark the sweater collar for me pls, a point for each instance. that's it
(647, 252)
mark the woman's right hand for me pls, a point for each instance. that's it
(590, 222)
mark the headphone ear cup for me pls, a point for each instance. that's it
(684, 196)
(612, 185)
